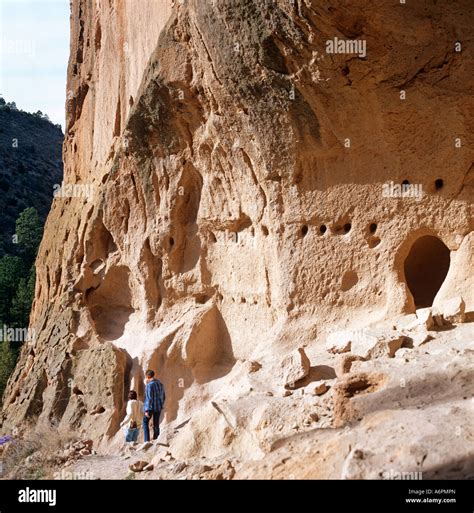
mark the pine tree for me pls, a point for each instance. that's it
(21, 303)
(11, 271)
(29, 231)
(7, 364)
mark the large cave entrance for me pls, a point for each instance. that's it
(426, 267)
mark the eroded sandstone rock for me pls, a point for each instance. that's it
(293, 368)
(376, 343)
(236, 215)
(339, 342)
(425, 317)
(452, 310)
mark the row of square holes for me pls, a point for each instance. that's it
(347, 228)
(373, 226)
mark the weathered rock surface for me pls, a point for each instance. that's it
(425, 317)
(139, 466)
(293, 368)
(239, 214)
(376, 342)
(366, 343)
(339, 342)
(452, 310)
(389, 418)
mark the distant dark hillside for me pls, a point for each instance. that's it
(30, 164)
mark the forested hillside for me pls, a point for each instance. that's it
(30, 165)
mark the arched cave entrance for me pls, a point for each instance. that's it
(426, 267)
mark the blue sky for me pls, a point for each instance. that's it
(34, 50)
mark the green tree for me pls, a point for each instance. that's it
(29, 231)
(7, 364)
(21, 303)
(17, 283)
(11, 271)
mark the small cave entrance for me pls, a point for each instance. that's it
(426, 267)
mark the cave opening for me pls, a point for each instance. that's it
(426, 267)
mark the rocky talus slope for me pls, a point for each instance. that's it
(389, 402)
(241, 242)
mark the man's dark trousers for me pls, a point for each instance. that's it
(155, 415)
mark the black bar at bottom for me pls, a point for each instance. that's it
(237, 496)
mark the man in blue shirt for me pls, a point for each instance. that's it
(153, 404)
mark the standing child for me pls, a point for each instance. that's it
(133, 420)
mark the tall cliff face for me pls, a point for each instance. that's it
(237, 204)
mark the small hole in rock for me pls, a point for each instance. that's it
(373, 227)
(349, 280)
(405, 182)
(171, 241)
(322, 228)
(265, 230)
(202, 299)
(347, 227)
(373, 242)
(439, 183)
(304, 230)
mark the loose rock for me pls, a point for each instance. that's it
(339, 342)
(138, 466)
(293, 368)
(452, 310)
(372, 343)
(320, 388)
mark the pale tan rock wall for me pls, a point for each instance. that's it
(203, 243)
